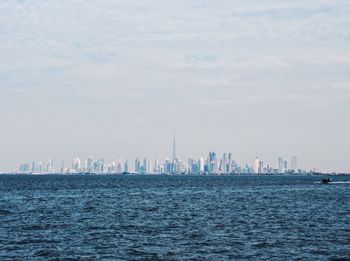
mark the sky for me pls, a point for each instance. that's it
(105, 78)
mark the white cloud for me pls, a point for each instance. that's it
(188, 60)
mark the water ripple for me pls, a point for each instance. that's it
(173, 217)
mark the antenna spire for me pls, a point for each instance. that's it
(174, 147)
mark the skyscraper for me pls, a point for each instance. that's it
(144, 166)
(50, 165)
(62, 166)
(212, 163)
(137, 165)
(90, 164)
(256, 165)
(224, 163)
(294, 163)
(168, 166)
(261, 167)
(126, 166)
(285, 166)
(33, 166)
(76, 164)
(156, 165)
(201, 165)
(174, 148)
(280, 165)
(229, 167)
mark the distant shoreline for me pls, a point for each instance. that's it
(175, 174)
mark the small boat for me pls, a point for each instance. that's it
(326, 180)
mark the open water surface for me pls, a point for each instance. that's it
(173, 217)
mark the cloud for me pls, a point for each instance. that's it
(182, 63)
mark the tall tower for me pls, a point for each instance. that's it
(280, 165)
(174, 147)
(256, 165)
(294, 163)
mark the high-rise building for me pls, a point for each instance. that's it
(50, 166)
(144, 166)
(167, 166)
(285, 166)
(40, 167)
(156, 165)
(212, 163)
(229, 164)
(62, 166)
(224, 163)
(201, 165)
(256, 166)
(33, 166)
(178, 166)
(76, 166)
(280, 165)
(137, 165)
(101, 167)
(174, 148)
(261, 167)
(190, 166)
(89, 165)
(119, 167)
(126, 166)
(24, 168)
(294, 166)
(194, 167)
(149, 166)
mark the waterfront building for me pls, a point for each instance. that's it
(201, 165)
(144, 166)
(285, 166)
(89, 164)
(280, 165)
(230, 163)
(261, 167)
(62, 170)
(212, 163)
(24, 168)
(137, 166)
(119, 168)
(156, 165)
(50, 167)
(33, 166)
(126, 166)
(294, 166)
(167, 166)
(174, 148)
(76, 166)
(256, 165)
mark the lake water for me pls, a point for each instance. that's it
(173, 217)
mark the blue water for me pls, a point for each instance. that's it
(173, 217)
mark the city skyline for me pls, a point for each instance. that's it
(112, 77)
(254, 162)
(212, 164)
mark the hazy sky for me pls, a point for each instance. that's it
(114, 77)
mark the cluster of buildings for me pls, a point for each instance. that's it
(212, 164)
(282, 167)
